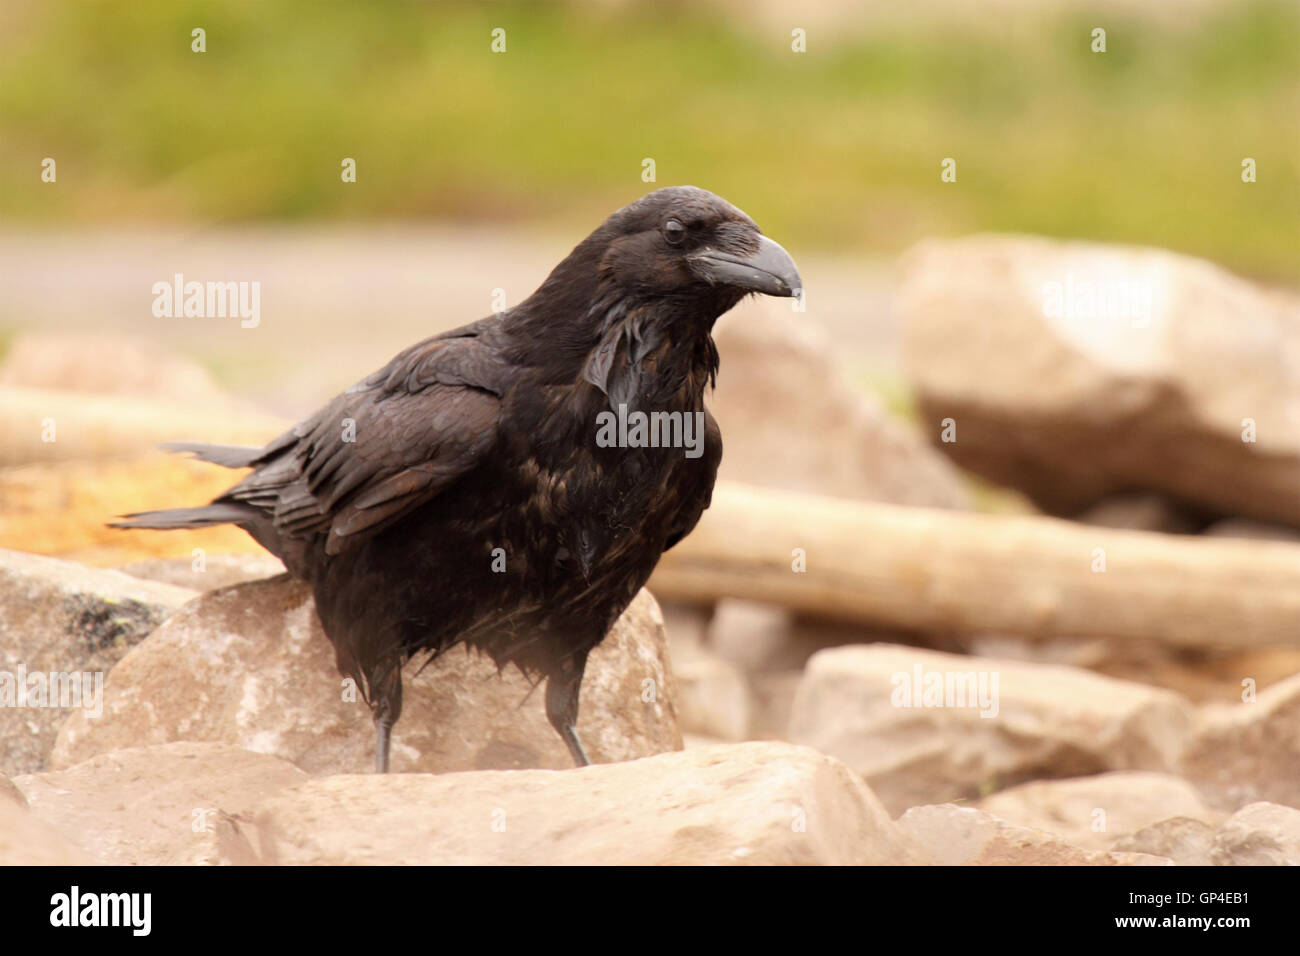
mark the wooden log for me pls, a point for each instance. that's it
(957, 572)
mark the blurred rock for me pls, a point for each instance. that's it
(1045, 721)
(157, 806)
(212, 572)
(58, 622)
(755, 804)
(761, 638)
(1251, 530)
(1185, 841)
(250, 666)
(9, 792)
(107, 365)
(712, 698)
(773, 694)
(1119, 803)
(791, 419)
(1139, 512)
(1145, 387)
(964, 836)
(1262, 834)
(26, 841)
(1247, 752)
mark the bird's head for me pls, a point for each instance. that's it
(685, 242)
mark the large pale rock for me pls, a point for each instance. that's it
(790, 418)
(1093, 812)
(159, 805)
(856, 704)
(62, 627)
(756, 803)
(965, 836)
(1145, 388)
(11, 793)
(1247, 752)
(250, 666)
(26, 841)
(1262, 834)
(208, 572)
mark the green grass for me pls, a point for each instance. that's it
(836, 149)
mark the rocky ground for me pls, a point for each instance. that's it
(726, 732)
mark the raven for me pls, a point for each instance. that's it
(463, 494)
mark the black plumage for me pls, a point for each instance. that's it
(460, 495)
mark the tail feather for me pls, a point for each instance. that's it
(231, 456)
(201, 517)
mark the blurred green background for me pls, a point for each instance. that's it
(837, 149)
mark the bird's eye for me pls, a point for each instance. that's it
(674, 232)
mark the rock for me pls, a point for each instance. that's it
(62, 627)
(1148, 388)
(250, 666)
(760, 638)
(1093, 812)
(791, 419)
(712, 698)
(964, 836)
(772, 694)
(212, 572)
(26, 841)
(1261, 834)
(162, 805)
(107, 365)
(1138, 512)
(1044, 721)
(1187, 842)
(1251, 530)
(756, 803)
(11, 793)
(1247, 752)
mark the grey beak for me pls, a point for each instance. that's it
(770, 270)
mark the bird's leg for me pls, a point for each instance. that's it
(562, 689)
(386, 707)
(383, 729)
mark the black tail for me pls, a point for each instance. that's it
(231, 456)
(201, 517)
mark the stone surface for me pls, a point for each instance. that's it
(1045, 721)
(207, 572)
(1144, 390)
(26, 841)
(790, 418)
(712, 698)
(1261, 834)
(1247, 752)
(1093, 812)
(250, 666)
(160, 805)
(965, 836)
(60, 621)
(756, 803)
(1185, 841)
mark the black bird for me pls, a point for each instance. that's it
(462, 494)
